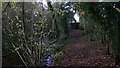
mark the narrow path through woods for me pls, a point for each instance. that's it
(82, 52)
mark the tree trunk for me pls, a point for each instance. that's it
(117, 60)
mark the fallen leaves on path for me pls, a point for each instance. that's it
(81, 52)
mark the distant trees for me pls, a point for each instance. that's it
(61, 16)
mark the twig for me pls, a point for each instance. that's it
(6, 6)
(17, 51)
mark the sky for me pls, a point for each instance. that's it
(76, 16)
